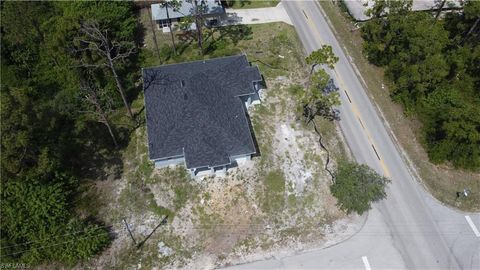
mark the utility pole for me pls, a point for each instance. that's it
(198, 14)
(129, 232)
(163, 222)
(153, 32)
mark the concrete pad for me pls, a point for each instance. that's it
(257, 15)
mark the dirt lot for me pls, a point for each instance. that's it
(442, 180)
(277, 203)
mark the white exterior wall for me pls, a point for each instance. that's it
(255, 99)
(203, 173)
(169, 162)
(240, 159)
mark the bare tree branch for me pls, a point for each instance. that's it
(102, 104)
(94, 40)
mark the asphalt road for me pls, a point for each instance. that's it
(408, 230)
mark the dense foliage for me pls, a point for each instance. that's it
(357, 186)
(321, 96)
(324, 55)
(434, 65)
(48, 132)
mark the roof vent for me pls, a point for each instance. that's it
(185, 97)
(182, 83)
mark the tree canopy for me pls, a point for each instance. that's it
(357, 186)
(324, 55)
(321, 95)
(46, 136)
(435, 69)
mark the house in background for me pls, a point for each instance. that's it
(357, 8)
(196, 113)
(212, 12)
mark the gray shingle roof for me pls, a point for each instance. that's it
(194, 109)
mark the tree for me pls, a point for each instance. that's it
(100, 104)
(198, 11)
(357, 186)
(18, 129)
(154, 35)
(38, 227)
(377, 10)
(439, 4)
(22, 36)
(472, 13)
(324, 55)
(451, 126)
(45, 142)
(319, 102)
(96, 40)
(234, 33)
(381, 8)
(433, 65)
(175, 5)
(321, 96)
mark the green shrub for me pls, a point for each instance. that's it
(356, 186)
(274, 191)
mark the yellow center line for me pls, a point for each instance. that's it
(353, 106)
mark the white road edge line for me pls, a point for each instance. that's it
(472, 225)
(366, 263)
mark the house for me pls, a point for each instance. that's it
(196, 113)
(357, 8)
(163, 16)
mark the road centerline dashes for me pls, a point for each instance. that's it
(361, 123)
(305, 14)
(348, 96)
(376, 153)
(354, 108)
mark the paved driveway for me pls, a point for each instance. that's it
(257, 15)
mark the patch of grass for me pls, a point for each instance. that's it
(181, 196)
(156, 209)
(442, 181)
(292, 201)
(132, 200)
(296, 91)
(246, 245)
(137, 196)
(266, 242)
(145, 169)
(207, 196)
(88, 201)
(240, 4)
(274, 192)
(309, 201)
(263, 43)
(148, 256)
(178, 180)
(292, 232)
(312, 159)
(208, 221)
